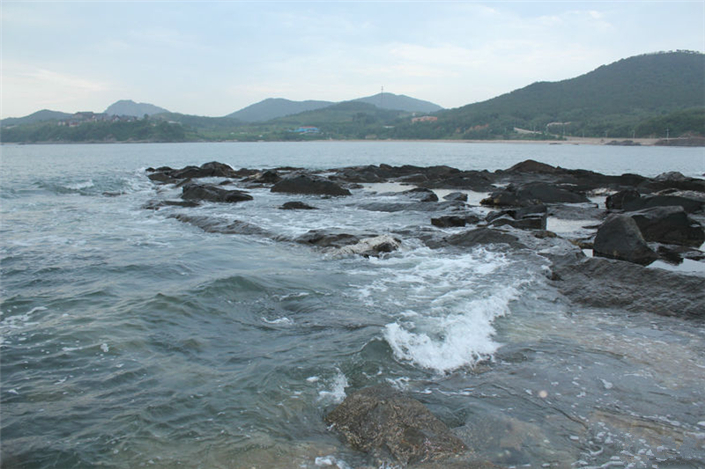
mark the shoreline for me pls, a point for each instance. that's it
(643, 142)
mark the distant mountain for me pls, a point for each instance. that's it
(39, 116)
(128, 107)
(399, 102)
(609, 101)
(273, 108)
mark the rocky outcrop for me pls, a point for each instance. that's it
(390, 425)
(328, 238)
(617, 200)
(311, 185)
(422, 194)
(688, 204)
(668, 225)
(619, 237)
(210, 193)
(454, 221)
(212, 169)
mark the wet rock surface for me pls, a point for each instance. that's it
(307, 184)
(393, 426)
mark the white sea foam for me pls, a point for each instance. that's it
(453, 341)
(331, 461)
(80, 185)
(337, 392)
(283, 321)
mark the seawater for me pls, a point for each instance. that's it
(130, 339)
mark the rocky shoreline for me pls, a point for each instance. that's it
(641, 221)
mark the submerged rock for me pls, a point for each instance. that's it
(619, 237)
(219, 225)
(306, 184)
(474, 237)
(386, 423)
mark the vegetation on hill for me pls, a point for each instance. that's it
(273, 108)
(127, 107)
(136, 131)
(653, 95)
(40, 116)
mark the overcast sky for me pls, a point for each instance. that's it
(213, 58)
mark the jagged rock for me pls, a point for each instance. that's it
(386, 423)
(306, 184)
(606, 283)
(670, 225)
(264, 177)
(617, 200)
(297, 206)
(619, 237)
(211, 193)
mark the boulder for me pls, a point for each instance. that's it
(619, 237)
(307, 184)
(669, 225)
(617, 200)
(157, 204)
(264, 177)
(296, 205)
(212, 193)
(532, 166)
(386, 423)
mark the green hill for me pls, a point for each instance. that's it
(127, 107)
(613, 101)
(273, 108)
(40, 116)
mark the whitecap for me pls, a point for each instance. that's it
(337, 392)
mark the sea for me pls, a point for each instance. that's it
(131, 339)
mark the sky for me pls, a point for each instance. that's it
(214, 58)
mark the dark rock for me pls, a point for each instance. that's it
(414, 206)
(306, 184)
(532, 166)
(327, 238)
(265, 177)
(213, 194)
(297, 206)
(670, 225)
(688, 204)
(537, 222)
(157, 204)
(387, 423)
(475, 237)
(217, 225)
(450, 221)
(371, 247)
(617, 200)
(532, 194)
(456, 196)
(422, 194)
(606, 283)
(619, 237)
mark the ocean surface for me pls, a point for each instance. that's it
(130, 339)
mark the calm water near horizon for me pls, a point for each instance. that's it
(130, 339)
